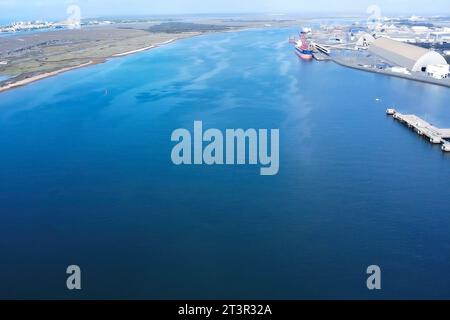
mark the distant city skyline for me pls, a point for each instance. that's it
(56, 9)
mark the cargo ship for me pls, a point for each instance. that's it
(303, 48)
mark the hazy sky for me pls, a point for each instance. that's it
(14, 9)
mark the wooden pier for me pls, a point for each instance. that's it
(423, 128)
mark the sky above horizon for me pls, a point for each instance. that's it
(56, 9)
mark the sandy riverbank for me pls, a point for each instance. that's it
(133, 51)
(42, 76)
(143, 49)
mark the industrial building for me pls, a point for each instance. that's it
(438, 71)
(404, 55)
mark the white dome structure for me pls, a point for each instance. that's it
(412, 57)
(365, 39)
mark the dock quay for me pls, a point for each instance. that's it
(423, 128)
(319, 56)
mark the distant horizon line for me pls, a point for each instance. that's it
(310, 14)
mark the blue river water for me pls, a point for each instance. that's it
(86, 179)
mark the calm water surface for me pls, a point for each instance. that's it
(86, 179)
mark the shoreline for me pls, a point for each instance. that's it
(392, 74)
(153, 46)
(131, 52)
(46, 75)
(42, 76)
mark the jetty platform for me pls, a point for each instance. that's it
(423, 128)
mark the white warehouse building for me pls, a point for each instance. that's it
(438, 71)
(405, 55)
